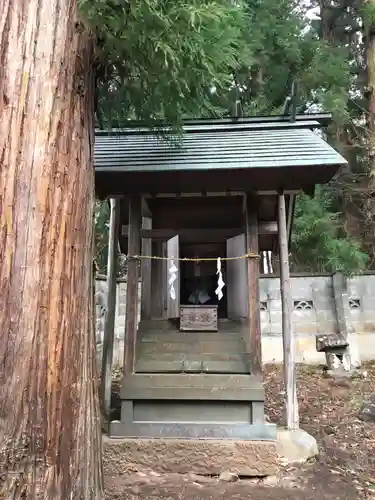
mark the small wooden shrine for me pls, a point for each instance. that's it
(224, 189)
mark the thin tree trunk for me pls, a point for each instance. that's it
(370, 56)
(50, 445)
(367, 410)
(110, 315)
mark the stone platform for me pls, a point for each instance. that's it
(183, 456)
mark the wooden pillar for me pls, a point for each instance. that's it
(134, 243)
(109, 320)
(146, 272)
(287, 327)
(253, 265)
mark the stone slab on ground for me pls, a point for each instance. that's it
(184, 456)
(367, 411)
(295, 446)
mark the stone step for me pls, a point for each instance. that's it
(207, 457)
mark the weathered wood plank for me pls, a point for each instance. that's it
(193, 393)
(109, 320)
(207, 356)
(240, 366)
(199, 234)
(253, 271)
(215, 194)
(199, 317)
(142, 381)
(292, 419)
(146, 271)
(236, 280)
(192, 411)
(132, 283)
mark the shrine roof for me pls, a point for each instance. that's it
(222, 144)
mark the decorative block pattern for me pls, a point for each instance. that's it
(303, 305)
(354, 304)
(324, 306)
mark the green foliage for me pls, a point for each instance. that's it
(159, 59)
(284, 48)
(101, 226)
(367, 11)
(101, 233)
(319, 242)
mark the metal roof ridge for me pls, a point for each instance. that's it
(322, 118)
(214, 128)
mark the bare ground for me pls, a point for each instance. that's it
(345, 469)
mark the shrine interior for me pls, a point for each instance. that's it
(198, 280)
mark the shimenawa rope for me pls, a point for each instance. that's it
(195, 259)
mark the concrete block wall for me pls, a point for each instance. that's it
(322, 304)
(361, 298)
(100, 300)
(313, 314)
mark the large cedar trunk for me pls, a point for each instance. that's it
(50, 445)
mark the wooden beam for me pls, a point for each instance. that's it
(215, 193)
(134, 243)
(287, 327)
(146, 271)
(202, 234)
(199, 194)
(253, 272)
(109, 320)
(228, 387)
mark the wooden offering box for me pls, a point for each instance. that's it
(198, 318)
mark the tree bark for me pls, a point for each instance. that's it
(370, 56)
(50, 445)
(110, 314)
(370, 63)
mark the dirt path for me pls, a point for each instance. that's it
(328, 410)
